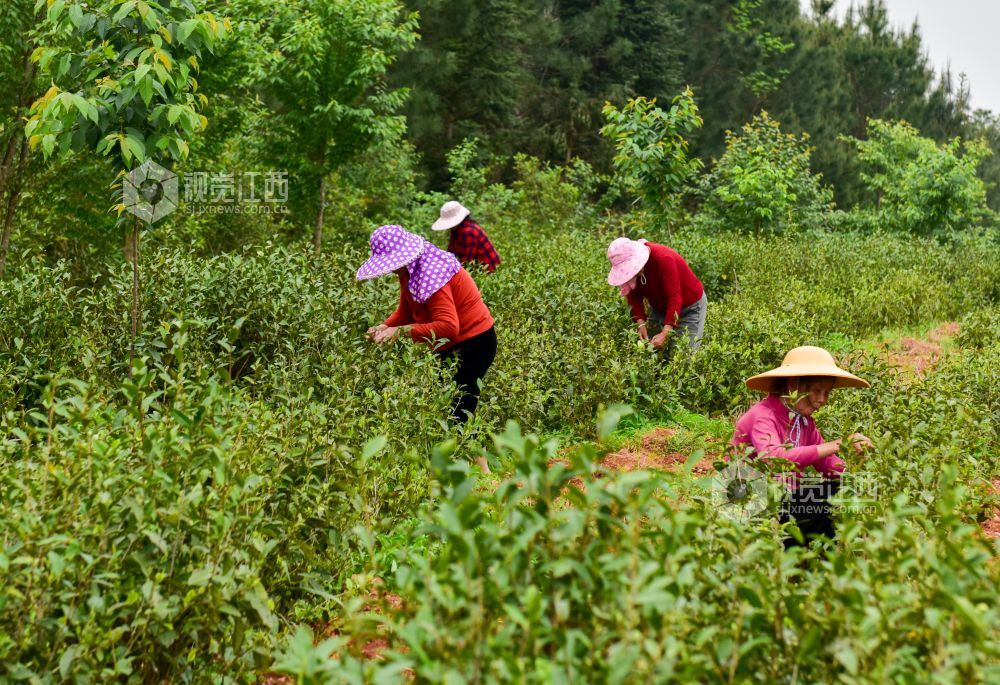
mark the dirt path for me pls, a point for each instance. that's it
(372, 649)
(991, 526)
(653, 452)
(917, 355)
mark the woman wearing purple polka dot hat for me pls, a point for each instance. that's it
(439, 305)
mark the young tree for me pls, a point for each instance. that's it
(123, 86)
(920, 186)
(763, 183)
(324, 83)
(652, 148)
(18, 87)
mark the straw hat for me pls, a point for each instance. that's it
(627, 259)
(803, 362)
(392, 247)
(452, 214)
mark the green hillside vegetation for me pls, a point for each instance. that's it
(207, 474)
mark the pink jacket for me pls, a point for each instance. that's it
(766, 429)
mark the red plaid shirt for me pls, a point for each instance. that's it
(469, 243)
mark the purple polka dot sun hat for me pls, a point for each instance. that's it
(429, 267)
(392, 247)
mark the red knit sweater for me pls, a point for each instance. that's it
(670, 285)
(454, 313)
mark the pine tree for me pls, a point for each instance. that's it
(466, 76)
(604, 50)
(736, 56)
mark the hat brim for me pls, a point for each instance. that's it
(383, 264)
(626, 271)
(769, 380)
(445, 224)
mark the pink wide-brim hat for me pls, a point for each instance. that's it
(392, 247)
(627, 259)
(452, 214)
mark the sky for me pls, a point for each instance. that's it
(962, 33)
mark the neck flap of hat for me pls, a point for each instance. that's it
(430, 271)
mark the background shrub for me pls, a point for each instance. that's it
(763, 183)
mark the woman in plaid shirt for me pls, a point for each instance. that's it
(468, 240)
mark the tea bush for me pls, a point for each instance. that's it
(132, 538)
(157, 534)
(264, 438)
(558, 576)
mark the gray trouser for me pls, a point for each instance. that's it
(691, 319)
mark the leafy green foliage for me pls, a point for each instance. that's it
(132, 542)
(258, 394)
(124, 78)
(265, 465)
(651, 147)
(921, 187)
(563, 572)
(747, 21)
(467, 75)
(532, 77)
(584, 54)
(763, 182)
(323, 79)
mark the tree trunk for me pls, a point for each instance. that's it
(134, 249)
(318, 234)
(24, 99)
(16, 128)
(17, 184)
(5, 164)
(12, 167)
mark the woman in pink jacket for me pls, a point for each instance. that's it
(781, 426)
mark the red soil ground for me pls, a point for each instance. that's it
(372, 649)
(653, 453)
(916, 355)
(991, 526)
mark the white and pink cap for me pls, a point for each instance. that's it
(627, 259)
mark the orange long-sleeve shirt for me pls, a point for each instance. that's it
(456, 312)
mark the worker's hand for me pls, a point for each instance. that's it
(643, 332)
(385, 334)
(860, 443)
(375, 329)
(660, 339)
(828, 449)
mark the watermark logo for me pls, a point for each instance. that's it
(739, 492)
(249, 192)
(150, 192)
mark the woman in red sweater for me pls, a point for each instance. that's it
(647, 272)
(439, 304)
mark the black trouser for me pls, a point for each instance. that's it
(809, 505)
(475, 356)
